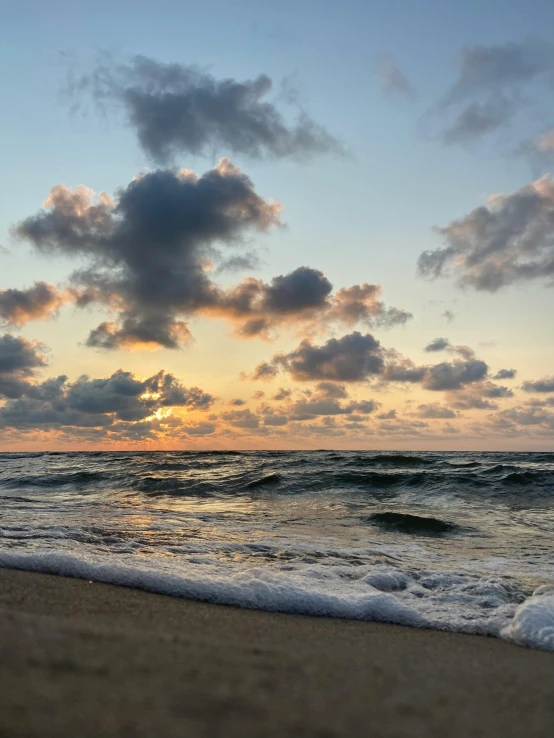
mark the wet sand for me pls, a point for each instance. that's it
(81, 659)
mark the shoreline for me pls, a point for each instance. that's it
(99, 659)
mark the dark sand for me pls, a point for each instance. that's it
(80, 659)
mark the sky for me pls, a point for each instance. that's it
(277, 225)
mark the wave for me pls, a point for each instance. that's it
(525, 478)
(371, 479)
(382, 595)
(271, 480)
(172, 487)
(464, 464)
(77, 479)
(401, 460)
(412, 524)
(15, 455)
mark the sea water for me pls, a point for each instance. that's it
(451, 541)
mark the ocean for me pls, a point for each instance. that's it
(448, 541)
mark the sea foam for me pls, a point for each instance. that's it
(533, 623)
(383, 595)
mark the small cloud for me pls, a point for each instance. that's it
(546, 384)
(438, 344)
(505, 374)
(392, 80)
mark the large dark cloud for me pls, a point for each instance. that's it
(546, 384)
(146, 251)
(121, 398)
(149, 257)
(492, 87)
(445, 376)
(176, 109)
(19, 361)
(38, 302)
(509, 240)
(351, 358)
(454, 375)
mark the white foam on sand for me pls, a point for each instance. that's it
(445, 601)
(533, 622)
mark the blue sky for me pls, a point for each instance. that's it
(364, 217)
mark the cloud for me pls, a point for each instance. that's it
(265, 370)
(149, 255)
(530, 416)
(482, 395)
(198, 429)
(505, 374)
(434, 410)
(146, 250)
(357, 358)
(437, 344)
(507, 241)
(282, 394)
(362, 303)
(492, 88)
(241, 418)
(275, 420)
(389, 415)
(152, 330)
(308, 409)
(331, 389)
(454, 375)
(301, 298)
(546, 384)
(392, 80)
(39, 302)
(546, 141)
(445, 376)
(116, 402)
(351, 358)
(19, 360)
(176, 109)
(448, 315)
(404, 370)
(449, 428)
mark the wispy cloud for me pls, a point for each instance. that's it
(176, 109)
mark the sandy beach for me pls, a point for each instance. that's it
(90, 659)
